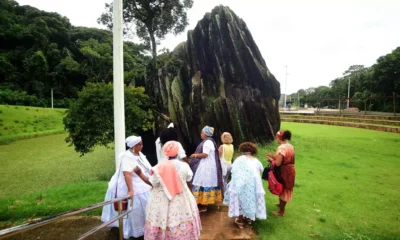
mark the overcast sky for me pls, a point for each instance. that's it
(317, 39)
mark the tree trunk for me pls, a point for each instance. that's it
(153, 47)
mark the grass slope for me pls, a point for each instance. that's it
(18, 122)
(37, 164)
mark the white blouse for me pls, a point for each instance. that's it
(128, 163)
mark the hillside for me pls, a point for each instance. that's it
(40, 51)
(19, 122)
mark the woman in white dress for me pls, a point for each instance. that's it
(125, 182)
(172, 211)
(207, 182)
(169, 134)
(245, 192)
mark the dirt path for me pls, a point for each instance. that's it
(216, 225)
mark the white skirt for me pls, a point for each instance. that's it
(135, 222)
(235, 206)
(206, 173)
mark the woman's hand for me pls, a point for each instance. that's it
(194, 155)
(144, 178)
(270, 157)
(130, 193)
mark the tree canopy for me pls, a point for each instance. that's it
(90, 119)
(379, 81)
(151, 18)
(40, 51)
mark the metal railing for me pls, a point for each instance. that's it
(42, 222)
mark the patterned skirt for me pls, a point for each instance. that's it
(207, 195)
(286, 195)
(188, 230)
(177, 219)
(288, 174)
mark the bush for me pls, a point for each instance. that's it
(90, 119)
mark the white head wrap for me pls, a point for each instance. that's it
(133, 141)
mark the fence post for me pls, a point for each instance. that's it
(394, 104)
(340, 108)
(120, 221)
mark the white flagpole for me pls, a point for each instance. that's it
(118, 82)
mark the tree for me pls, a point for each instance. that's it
(386, 73)
(36, 71)
(152, 18)
(97, 60)
(90, 121)
(40, 51)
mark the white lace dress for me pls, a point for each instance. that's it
(172, 219)
(245, 193)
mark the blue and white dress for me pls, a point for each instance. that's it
(245, 192)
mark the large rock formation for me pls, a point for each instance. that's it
(218, 78)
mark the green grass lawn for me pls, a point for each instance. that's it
(346, 185)
(18, 122)
(42, 176)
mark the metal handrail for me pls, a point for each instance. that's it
(35, 224)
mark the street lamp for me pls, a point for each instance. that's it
(348, 88)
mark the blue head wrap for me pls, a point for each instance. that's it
(209, 131)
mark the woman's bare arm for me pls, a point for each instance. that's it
(139, 172)
(220, 150)
(186, 160)
(128, 180)
(278, 160)
(199, 155)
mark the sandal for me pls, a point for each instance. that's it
(248, 220)
(240, 225)
(202, 210)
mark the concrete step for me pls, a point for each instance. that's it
(387, 116)
(389, 123)
(347, 124)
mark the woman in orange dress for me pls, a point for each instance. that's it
(284, 158)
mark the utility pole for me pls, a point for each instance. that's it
(118, 81)
(348, 94)
(298, 100)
